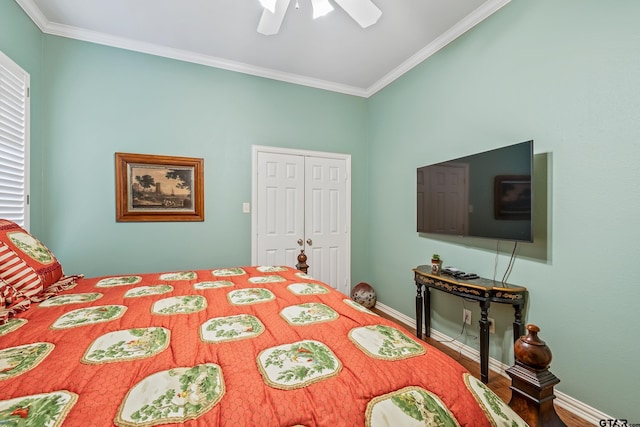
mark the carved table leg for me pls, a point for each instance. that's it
(427, 311)
(484, 341)
(418, 310)
(518, 327)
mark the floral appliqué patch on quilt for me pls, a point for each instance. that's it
(214, 284)
(11, 325)
(71, 299)
(273, 278)
(250, 296)
(231, 328)
(184, 304)
(297, 365)
(307, 289)
(88, 316)
(409, 407)
(126, 345)
(222, 272)
(385, 342)
(118, 281)
(143, 291)
(271, 269)
(18, 360)
(359, 307)
(180, 275)
(31, 246)
(47, 409)
(308, 313)
(497, 411)
(172, 396)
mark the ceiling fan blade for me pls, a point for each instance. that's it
(320, 8)
(269, 4)
(270, 22)
(364, 12)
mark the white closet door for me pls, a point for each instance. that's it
(326, 220)
(302, 201)
(280, 208)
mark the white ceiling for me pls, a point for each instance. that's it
(332, 52)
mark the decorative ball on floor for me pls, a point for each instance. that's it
(364, 295)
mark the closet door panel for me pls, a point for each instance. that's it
(326, 220)
(280, 222)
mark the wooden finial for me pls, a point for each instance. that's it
(531, 350)
(532, 383)
(302, 262)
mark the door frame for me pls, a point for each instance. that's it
(255, 149)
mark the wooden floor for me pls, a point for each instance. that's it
(497, 383)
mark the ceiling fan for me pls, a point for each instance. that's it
(364, 12)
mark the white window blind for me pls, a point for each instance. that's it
(14, 142)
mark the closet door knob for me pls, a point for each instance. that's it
(309, 242)
(300, 242)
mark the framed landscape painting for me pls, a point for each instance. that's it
(159, 188)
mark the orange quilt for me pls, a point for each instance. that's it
(244, 346)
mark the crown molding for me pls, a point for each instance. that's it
(464, 25)
(34, 13)
(475, 17)
(196, 58)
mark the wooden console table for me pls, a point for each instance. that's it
(484, 291)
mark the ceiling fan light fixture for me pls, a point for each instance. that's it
(364, 12)
(270, 22)
(321, 8)
(270, 5)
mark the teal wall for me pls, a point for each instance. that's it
(101, 100)
(564, 73)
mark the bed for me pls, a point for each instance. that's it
(233, 346)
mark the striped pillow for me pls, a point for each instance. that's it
(17, 273)
(11, 301)
(25, 263)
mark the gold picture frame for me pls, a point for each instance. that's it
(151, 188)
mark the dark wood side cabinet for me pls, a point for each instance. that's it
(484, 291)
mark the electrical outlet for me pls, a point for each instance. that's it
(466, 316)
(492, 325)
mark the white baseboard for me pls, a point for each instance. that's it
(563, 400)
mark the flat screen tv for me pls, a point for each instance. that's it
(488, 194)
